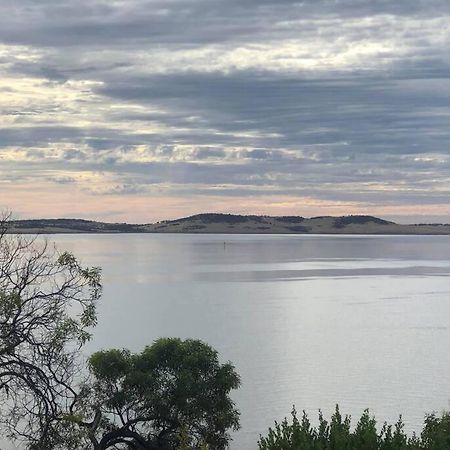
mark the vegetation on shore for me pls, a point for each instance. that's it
(338, 434)
(235, 224)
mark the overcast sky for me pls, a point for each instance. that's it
(140, 110)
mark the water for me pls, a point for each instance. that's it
(363, 321)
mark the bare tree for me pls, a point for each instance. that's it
(47, 304)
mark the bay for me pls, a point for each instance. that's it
(363, 321)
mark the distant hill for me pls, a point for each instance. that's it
(234, 224)
(70, 226)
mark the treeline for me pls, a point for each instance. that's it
(338, 434)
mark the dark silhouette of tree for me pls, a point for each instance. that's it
(47, 304)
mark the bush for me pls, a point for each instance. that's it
(337, 434)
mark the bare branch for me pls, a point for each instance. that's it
(47, 304)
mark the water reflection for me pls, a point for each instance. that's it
(311, 320)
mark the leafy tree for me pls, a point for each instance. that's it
(47, 304)
(175, 394)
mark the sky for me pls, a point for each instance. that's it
(143, 110)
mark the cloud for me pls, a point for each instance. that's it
(340, 101)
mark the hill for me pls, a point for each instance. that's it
(235, 224)
(70, 226)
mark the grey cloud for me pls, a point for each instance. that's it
(73, 154)
(247, 131)
(283, 173)
(63, 180)
(208, 153)
(35, 154)
(121, 189)
(36, 135)
(261, 154)
(96, 23)
(368, 114)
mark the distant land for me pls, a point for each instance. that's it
(233, 224)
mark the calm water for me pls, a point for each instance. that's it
(307, 320)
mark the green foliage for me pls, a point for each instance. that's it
(337, 434)
(436, 433)
(175, 394)
(47, 305)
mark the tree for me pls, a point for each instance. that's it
(172, 395)
(47, 304)
(436, 432)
